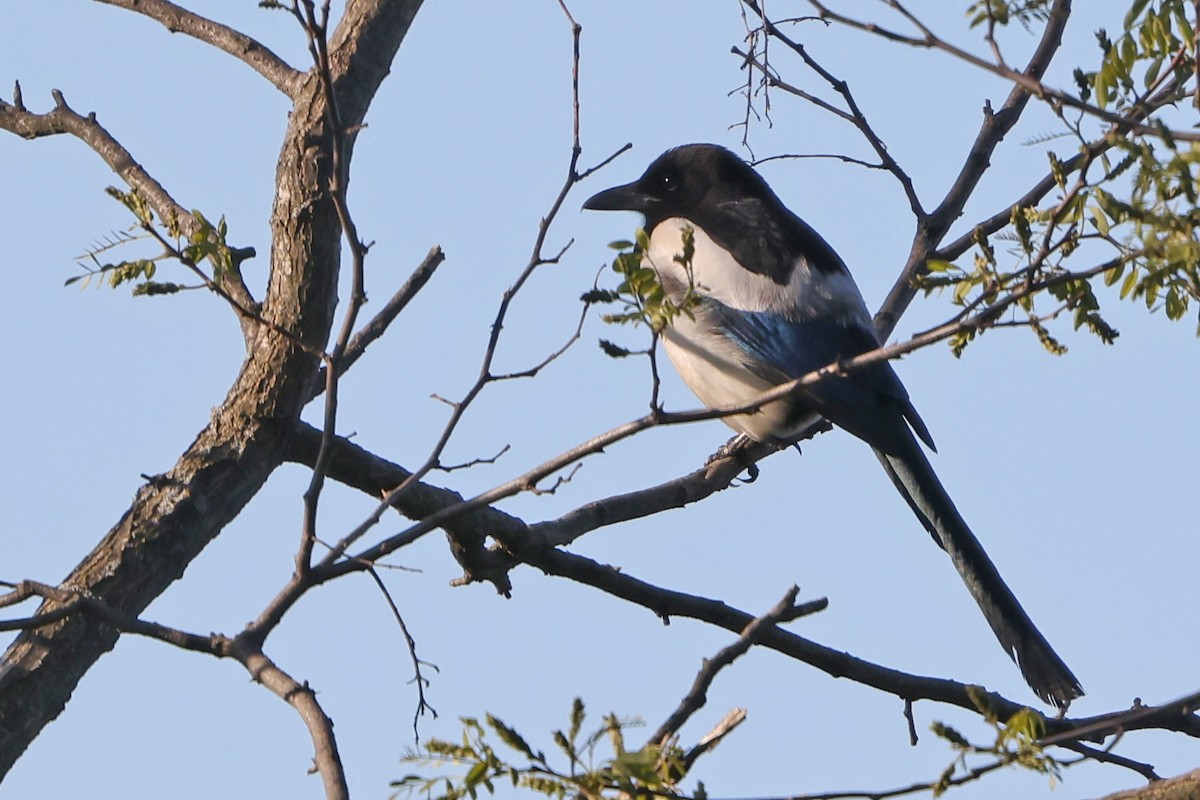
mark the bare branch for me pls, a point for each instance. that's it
(244, 650)
(784, 611)
(1183, 787)
(853, 114)
(418, 678)
(302, 698)
(485, 377)
(360, 469)
(251, 52)
(1105, 757)
(833, 156)
(63, 119)
(1025, 80)
(315, 30)
(380, 322)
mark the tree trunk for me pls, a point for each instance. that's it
(175, 515)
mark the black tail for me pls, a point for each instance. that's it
(1043, 670)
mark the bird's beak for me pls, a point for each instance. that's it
(629, 197)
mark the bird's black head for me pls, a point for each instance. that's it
(682, 182)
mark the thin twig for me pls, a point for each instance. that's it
(62, 119)
(329, 563)
(485, 375)
(783, 611)
(1030, 83)
(418, 678)
(316, 30)
(853, 113)
(378, 324)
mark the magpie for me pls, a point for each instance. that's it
(772, 301)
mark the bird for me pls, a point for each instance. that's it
(768, 301)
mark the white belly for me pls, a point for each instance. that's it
(710, 365)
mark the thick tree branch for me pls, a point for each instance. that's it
(175, 515)
(996, 125)
(356, 467)
(301, 697)
(1183, 787)
(177, 19)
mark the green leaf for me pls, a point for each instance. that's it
(595, 296)
(1129, 284)
(1135, 10)
(1176, 304)
(475, 775)
(642, 239)
(510, 737)
(1026, 724)
(577, 717)
(154, 288)
(948, 733)
(1105, 79)
(1151, 74)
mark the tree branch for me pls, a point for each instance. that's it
(302, 698)
(853, 114)
(1028, 82)
(17, 119)
(356, 467)
(246, 49)
(175, 515)
(378, 324)
(1183, 787)
(784, 611)
(996, 125)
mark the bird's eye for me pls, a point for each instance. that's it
(668, 182)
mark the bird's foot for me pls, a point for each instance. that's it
(730, 449)
(735, 448)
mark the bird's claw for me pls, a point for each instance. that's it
(730, 449)
(735, 448)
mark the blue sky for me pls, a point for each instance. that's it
(1076, 472)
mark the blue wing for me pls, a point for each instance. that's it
(870, 403)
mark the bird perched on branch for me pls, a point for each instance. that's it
(770, 301)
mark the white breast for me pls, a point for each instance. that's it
(712, 367)
(808, 294)
(710, 364)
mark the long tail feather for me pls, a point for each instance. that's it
(1042, 668)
